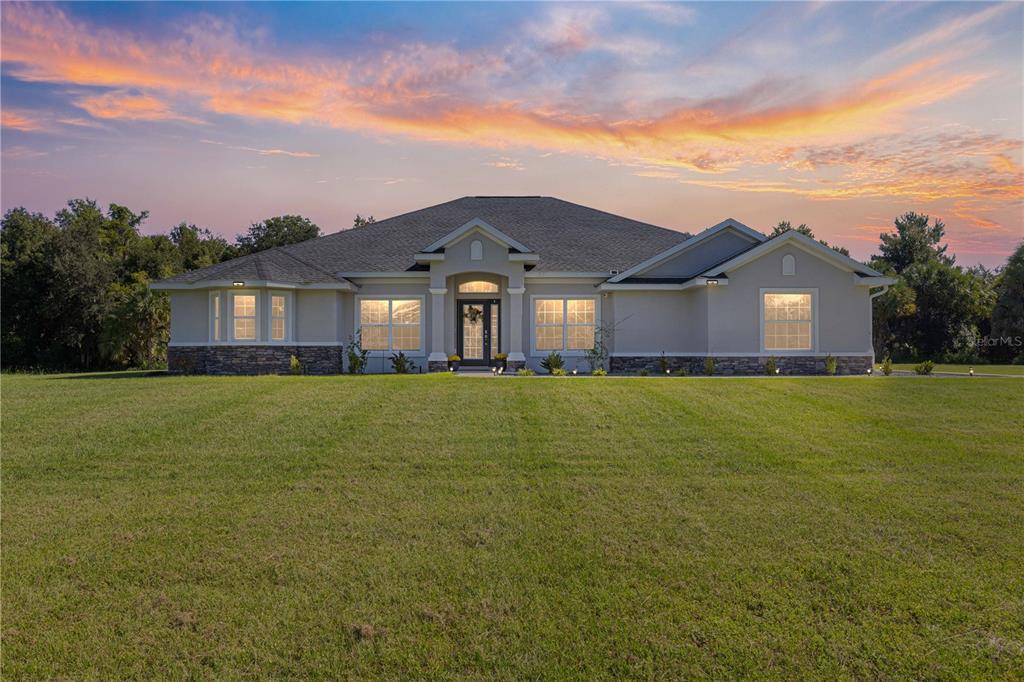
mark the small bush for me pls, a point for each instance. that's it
(682, 372)
(709, 366)
(401, 363)
(599, 372)
(644, 371)
(552, 362)
(830, 365)
(1019, 360)
(525, 372)
(663, 363)
(356, 354)
(887, 366)
(771, 367)
(294, 366)
(558, 372)
(924, 368)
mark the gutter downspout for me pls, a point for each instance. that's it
(881, 291)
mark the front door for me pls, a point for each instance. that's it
(478, 332)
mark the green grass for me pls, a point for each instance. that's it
(440, 526)
(1015, 370)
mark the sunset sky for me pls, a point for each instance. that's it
(838, 115)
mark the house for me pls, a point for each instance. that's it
(526, 276)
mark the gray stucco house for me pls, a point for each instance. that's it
(524, 276)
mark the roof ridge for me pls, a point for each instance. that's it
(259, 265)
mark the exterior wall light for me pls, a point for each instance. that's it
(237, 283)
(711, 282)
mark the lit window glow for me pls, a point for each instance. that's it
(478, 287)
(390, 324)
(564, 324)
(787, 322)
(245, 317)
(277, 318)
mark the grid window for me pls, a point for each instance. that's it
(393, 324)
(787, 321)
(277, 318)
(563, 324)
(244, 317)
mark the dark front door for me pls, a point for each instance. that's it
(478, 332)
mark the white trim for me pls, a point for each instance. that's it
(249, 284)
(813, 291)
(564, 274)
(216, 328)
(438, 292)
(727, 224)
(805, 243)
(425, 257)
(179, 344)
(565, 353)
(422, 274)
(481, 226)
(804, 354)
(289, 316)
(516, 290)
(422, 352)
(695, 283)
(860, 281)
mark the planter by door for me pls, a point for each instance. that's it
(479, 332)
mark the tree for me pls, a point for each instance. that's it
(197, 247)
(360, 221)
(1008, 313)
(279, 231)
(914, 241)
(785, 226)
(24, 247)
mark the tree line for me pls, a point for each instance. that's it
(76, 291)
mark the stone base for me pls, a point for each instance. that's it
(513, 366)
(738, 366)
(253, 359)
(437, 366)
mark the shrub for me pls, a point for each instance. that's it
(887, 366)
(294, 366)
(356, 355)
(644, 371)
(682, 372)
(663, 363)
(552, 362)
(771, 367)
(924, 368)
(599, 372)
(401, 363)
(709, 366)
(525, 372)
(558, 372)
(1019, 360)
(830, 365)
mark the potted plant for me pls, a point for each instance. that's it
(500, 360)
(453, 362)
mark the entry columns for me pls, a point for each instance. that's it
(438, 359)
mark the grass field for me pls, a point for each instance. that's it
(440, 526)
(1015, 370)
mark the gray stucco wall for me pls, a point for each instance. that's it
(844, 310)
(190, 312)
(655, 321)
(316, 316)
(705, 254)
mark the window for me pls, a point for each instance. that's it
(277, 318)
(478, 287)
(787, 321)
(390, 324)
(245, 317)
(215, 321)
(564, 324)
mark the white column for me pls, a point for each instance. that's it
(515, 320)
(437, 351)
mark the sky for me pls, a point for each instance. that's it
(838, 115)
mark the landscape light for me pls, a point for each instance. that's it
(501, 370)
(574, 371)
(778, 371)
(668, 371)
(237, 283)
(971, 371)
(494, 370)
(869, 370)
(451, 369)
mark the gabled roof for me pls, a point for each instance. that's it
(477, 224)
(567, 238)
(727, 224)
(798, 239)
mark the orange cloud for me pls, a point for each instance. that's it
(117, 105)
(17, 121)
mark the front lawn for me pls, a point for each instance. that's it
(1015, 370)
(438, 526)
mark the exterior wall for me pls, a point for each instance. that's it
(190, 316)
(316, 316)
(649, 322)
(843, 310)
(697, 259)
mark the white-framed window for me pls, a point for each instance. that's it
(278, 317)
(478, 287)
(215, 316)
(243, 314)
(788, 320)
(391, 324)
(566, 325)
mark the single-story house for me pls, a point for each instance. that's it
(525, 276)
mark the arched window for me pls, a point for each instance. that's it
(788, 264)
(476, 250)
(478, 287)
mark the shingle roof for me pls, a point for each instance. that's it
(567, 237)
(275, 265)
